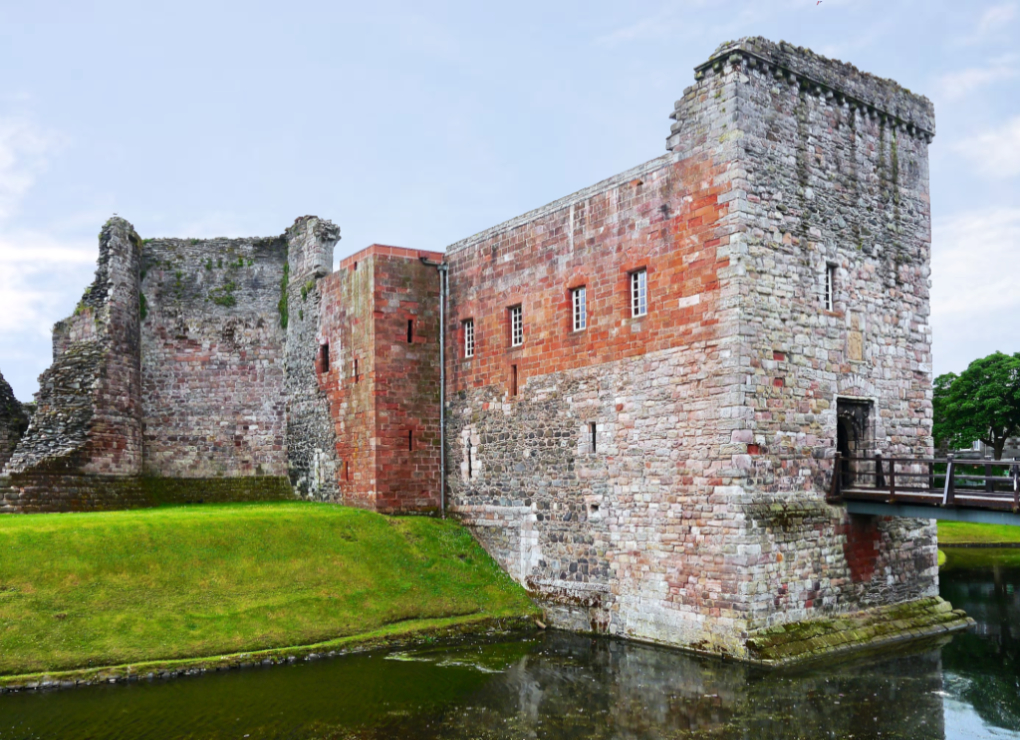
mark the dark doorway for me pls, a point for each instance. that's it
(853, 436)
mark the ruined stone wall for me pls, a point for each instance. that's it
(88, 416)
(213, 350)
(836, 177)
(311, 436)
(13, 422)
(87, 427)
(609, 535)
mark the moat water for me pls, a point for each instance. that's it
(564, 686)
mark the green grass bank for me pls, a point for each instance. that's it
(964, 533)
(82, 591)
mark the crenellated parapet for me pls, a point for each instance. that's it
(838, 83)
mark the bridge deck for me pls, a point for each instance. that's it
(985, 491)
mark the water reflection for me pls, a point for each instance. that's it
(983, 667)
(565, 686)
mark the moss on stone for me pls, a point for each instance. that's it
(282, 305)
(812, 638)
(224, 295)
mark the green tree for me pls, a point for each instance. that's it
(981, 403)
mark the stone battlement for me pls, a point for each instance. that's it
(834, 80)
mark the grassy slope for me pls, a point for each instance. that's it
(121, 587)
(957, 533)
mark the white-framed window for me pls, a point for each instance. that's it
(580, 311)
(639, 293)
(469, 338)
(516, 326)
(830, 287)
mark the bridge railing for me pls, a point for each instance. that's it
(948, 481)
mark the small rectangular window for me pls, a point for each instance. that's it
(516, 326)
(580, 309)
(513, 380)
(357, 375)
(410, 330)
(470, 462)
(592, 431)
(830, 287)
(324, 357)
(346, 472)
(469, 338)
(639, 293)
(410, 440)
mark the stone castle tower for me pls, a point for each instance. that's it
(646, 381)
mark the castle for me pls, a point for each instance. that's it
(642, 389)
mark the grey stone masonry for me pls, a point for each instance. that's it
(663, 476)
(13, 422)
(88, 415)
(213, 357)
(311, 437)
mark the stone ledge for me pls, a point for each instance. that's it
(43, 492)
(813, 639)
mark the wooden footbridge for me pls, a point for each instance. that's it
(959, 489)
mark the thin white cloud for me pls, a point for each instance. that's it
(956, 85)
(23, 152)
(39, 277)
(995, 17)
(994, 153)
(992, 22)
(973, 299)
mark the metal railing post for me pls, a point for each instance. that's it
(892, 479)
(1014, 473)
(949, 497)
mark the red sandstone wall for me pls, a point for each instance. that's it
(406, 381)
(366, 305)
(346, 308)
(665, 220)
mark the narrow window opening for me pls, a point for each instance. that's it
(469, 338)
(470, 461)
(593, 433)
(324, 357)
(513, 380)
(516, 326)
(355, 265)
(594, 509)
(410, 440)
(357, 375)
(346, 473)
(639, 293)
(410, 330)
(830, 285)
(580, 312)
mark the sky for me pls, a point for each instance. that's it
(418, 124)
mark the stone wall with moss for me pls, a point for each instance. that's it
(212, 355)
(13, 422)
